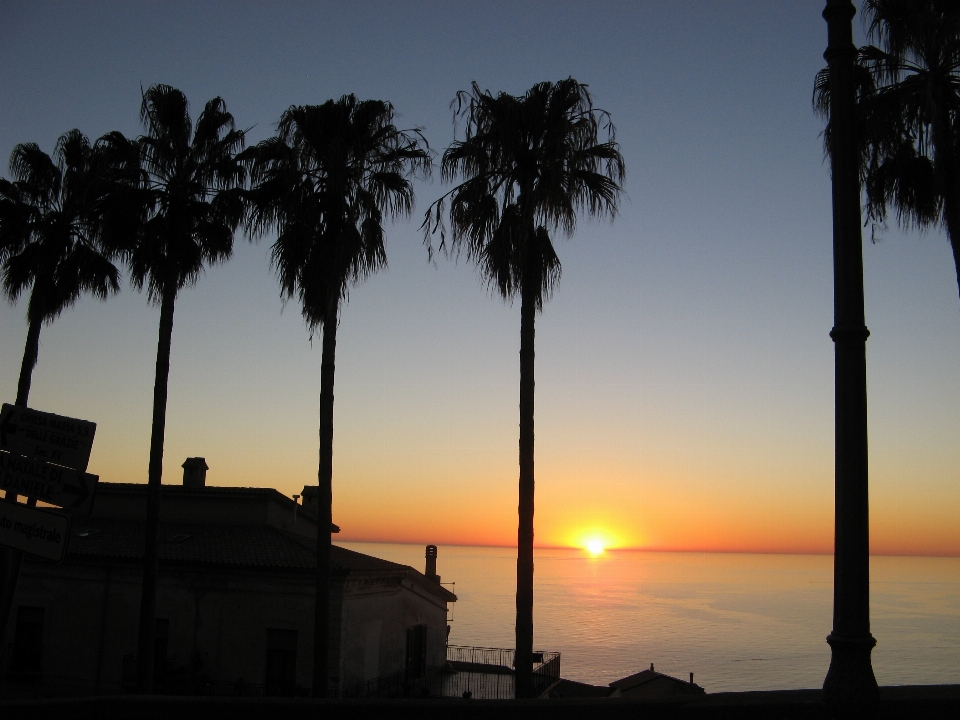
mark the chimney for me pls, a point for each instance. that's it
(195, 472)
(310, 495)
(431, 569)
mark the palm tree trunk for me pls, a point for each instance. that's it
(951, 216)
(10, 568)
(953, 233)
(31, 351)
(523, 660)
(321, 620)
(946, 166)
(148, 598)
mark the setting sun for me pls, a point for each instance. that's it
(596, 539)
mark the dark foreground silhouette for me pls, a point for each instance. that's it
(918, 701)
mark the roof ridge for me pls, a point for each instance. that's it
(187, 488)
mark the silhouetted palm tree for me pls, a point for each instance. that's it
(909, 114)
(49, 236)
(324, 183)
(49, 245)
(529, 164)
(191, 201)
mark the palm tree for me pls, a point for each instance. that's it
(49, 239)
(529, 165)
(909, 114)
(49, 245)
(324, 182)
(190, 196)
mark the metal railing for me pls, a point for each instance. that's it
(501, 657)
(547, 673)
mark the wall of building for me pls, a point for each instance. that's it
(376, 617)
(369, 611)
(218, 623)
(421, 608)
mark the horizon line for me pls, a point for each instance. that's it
(651, 549)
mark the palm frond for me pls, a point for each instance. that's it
(324, 183)
(51, 227)
(527, 165)
(908, 111)
(186, 188)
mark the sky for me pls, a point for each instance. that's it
(684, 370)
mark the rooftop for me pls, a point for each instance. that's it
(222, 527)
(210, 504)
(649, 683)
(223, 545)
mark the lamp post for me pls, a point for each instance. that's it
(850, 682)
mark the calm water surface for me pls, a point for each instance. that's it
(738, 622)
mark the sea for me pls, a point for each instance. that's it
(736, 621)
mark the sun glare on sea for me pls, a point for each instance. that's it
(594, 546)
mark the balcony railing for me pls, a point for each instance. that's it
(476, 672)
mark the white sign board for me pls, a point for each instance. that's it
(34, 531)
(50, 483)
(52, 438)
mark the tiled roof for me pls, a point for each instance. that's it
(241, 545)
(231, 546)
(206, 491)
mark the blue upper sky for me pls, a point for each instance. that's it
(683, 364)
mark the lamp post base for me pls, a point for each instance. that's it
(850, 686)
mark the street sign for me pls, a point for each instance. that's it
(45, 436)
(50, 483)
(34, 531)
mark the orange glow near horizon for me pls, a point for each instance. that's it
(661, 513)
(655, 515)
(622, 506)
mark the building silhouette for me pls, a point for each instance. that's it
(235, 602)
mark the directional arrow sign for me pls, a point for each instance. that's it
(50, 483)
(45, 436)
(34, 531)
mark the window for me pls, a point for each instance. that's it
(161, 648)
(281, 665)
(26, 663)
(128, 678)
(416, 664)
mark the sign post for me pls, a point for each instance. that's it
(43, 456)
(51, 483)
(44, 436)
(34, 531)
